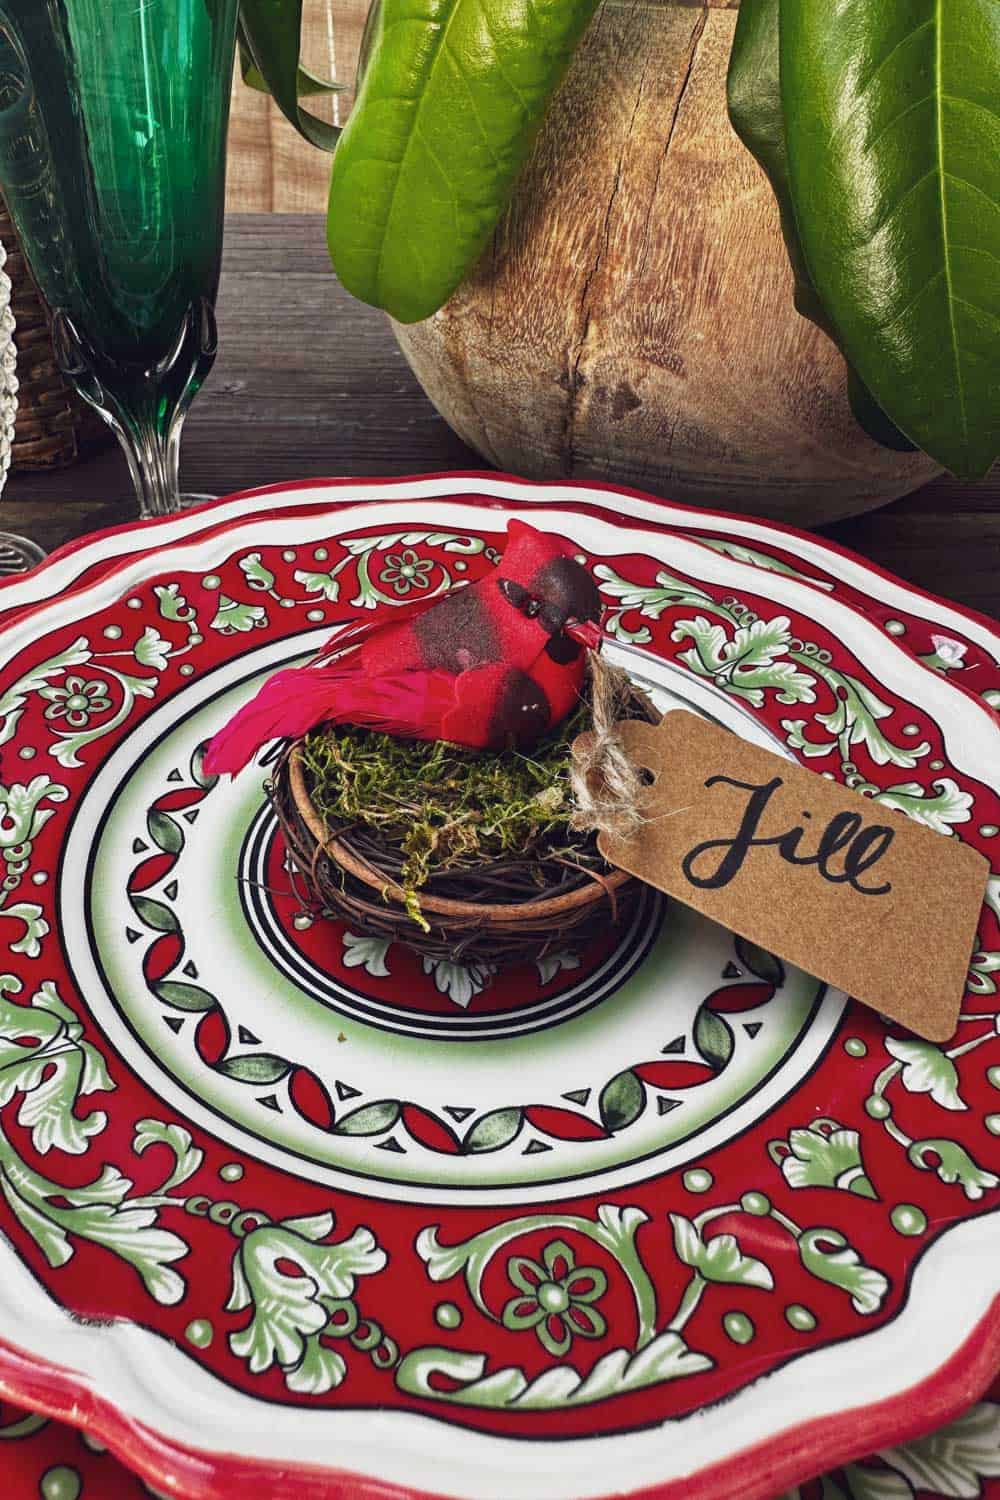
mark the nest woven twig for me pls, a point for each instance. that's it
(501, 912)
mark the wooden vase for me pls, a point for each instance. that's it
(632, 320)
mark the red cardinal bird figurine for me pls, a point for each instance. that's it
(492, 666)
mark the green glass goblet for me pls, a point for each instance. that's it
(113, 122)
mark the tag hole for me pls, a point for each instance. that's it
(646, 776)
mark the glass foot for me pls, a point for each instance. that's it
(18, 554)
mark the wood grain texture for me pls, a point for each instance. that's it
(310, 383)
(270, 168)
(633, 319)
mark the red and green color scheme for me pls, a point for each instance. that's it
(45, 1460)
(339, 1204)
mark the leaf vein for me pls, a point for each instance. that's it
(973, 187)
(903, 42)
(859, 97)
(518, 93)
(945, 231)
(894, 209)
(973, 104)
(897, 317)
(984, 312)
(449, 51)
(414, 133)
(871, 146)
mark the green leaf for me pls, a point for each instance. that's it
(233, 615)
(827, 1255)
(713, 1038)
(622, 1101)
(894, 161)
(953, 1164)
(183, 996)
(939, 809)
(869, 415)
(367, 40)
(172, 603)
(165, 833)
(494, 1130)
(749, 664)
(719, 1259)
(308, 82)
(151, 649)
(370, 1119)
(876, 1484)
(260, 1067)
(314, 1227)
(927, 1070)
(318, 583)
(955, 1459)
(48, 1108)
(321, 1370)
(154, 913)
(760, 963)
(290, 1311)
(256, 574)
(755, 109)
(753, 88)
(270, 39)
(187, 1156)
(449, 106)
(50, 1238)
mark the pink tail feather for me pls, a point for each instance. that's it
(289, 704)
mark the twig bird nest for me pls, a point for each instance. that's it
(471, 856)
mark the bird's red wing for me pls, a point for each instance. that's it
(359, 630)
(287, 705)
(410, 704)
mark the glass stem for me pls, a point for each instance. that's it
(153, 461)
(145, 408)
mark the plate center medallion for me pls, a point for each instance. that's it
(355, 1063)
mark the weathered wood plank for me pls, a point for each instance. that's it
(309, 382)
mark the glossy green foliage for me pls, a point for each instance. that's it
(269, 37)
(754, 93)
(450, 102)
(893, 136)
(755, 109)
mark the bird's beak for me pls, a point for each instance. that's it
(585, 632)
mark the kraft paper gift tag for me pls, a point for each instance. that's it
(857, 894)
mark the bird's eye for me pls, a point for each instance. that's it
(514, 593)
(523, 601)
(552, 616)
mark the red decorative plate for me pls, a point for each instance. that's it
(675, 1218)
(46, 1460)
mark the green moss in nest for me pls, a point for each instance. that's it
(444, 808)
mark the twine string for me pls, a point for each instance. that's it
(607, 785)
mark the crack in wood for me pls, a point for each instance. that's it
(578, 348)
(697, 33)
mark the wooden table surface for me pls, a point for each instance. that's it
(310, 383)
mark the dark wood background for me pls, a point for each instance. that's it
(310, 383)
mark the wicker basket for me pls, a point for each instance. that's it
(54, 427)
(344, 882)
